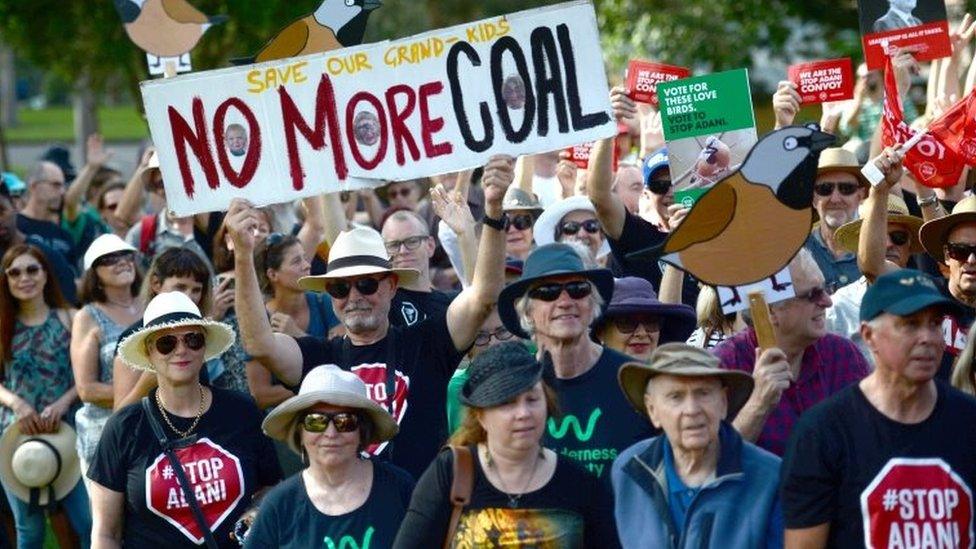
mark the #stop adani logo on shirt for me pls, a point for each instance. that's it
(917, 503)
(215, 476)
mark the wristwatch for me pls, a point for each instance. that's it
(497, 224)
(928, 200)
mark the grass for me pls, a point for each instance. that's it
(55, 124)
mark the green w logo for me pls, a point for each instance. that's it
(583, 435)
(350, 542)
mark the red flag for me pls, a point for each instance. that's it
(956, 128)
(931, 162)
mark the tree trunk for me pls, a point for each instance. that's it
(85, 116)
(8, 88)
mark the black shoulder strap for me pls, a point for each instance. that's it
(174, 461)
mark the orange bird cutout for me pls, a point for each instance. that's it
(165, 28)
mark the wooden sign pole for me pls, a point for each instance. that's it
(760, 320)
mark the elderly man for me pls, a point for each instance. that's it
(554, 303)
(40, 218)
(410, 245)
(700, 458)
(401, 366)
(807, 365)
(887, 462)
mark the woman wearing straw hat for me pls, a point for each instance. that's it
(524, 495)
(109, 289)
(37, 389)
(340, 495)
(138, 496)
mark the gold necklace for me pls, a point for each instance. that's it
(162, 410)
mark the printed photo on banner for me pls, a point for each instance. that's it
(644, 76)
(822, 81)
(921, 24)
(709, 127)
(434, 103)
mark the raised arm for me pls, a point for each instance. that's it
(470, 309)
(84, 361)
(786, 103)
(610, 209)
(277, 352)
(95, 158)
(872, 241)
(452, 207)
(130, 204)
(333, 216)
(312, 232)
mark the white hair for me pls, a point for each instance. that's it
(523, 307)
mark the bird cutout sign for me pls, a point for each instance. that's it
(166, 30)
(750, 224)
(335, 24)
(776, 288)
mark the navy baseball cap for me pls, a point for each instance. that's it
(654, 162)
(902, 293)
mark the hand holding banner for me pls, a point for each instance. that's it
(821, 81)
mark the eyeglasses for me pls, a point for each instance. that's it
(591, 226)
(827, 189)
(318, 422)
(520, 222)
(960, 251)
(813, 295)
(110, 206)
(628, 325)
(193, 341)
(403, 191)
(576, 289)
(113, 258)
(658, 186)
(340, 289)
(485, 336)
(16, 272)
(412, 243)
(898, 238)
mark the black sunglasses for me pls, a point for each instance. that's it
(340, 289)
(550, 292)
(591, 226)
(403, 191)
(827, 189)
(318, 422)
(194, 341)
(499, 333)
(898, 238)
(520, 222)
(813, 295)
(628, 325)
(116, 257)
(30, 270)
(960, 251)
(658, 186)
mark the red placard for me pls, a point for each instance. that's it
(643, 77)
(580, 155)
(928, 41)
(826, 80)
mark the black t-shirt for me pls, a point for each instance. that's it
(425, 360)
(230, 460)
(573, 510)
(288, 518)
(849, 465)
(410, 306)
(636, 235)
(51, 235)
(596, 422)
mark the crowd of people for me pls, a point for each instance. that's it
(484, 359)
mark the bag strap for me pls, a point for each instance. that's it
(180, 474)
(461, 487)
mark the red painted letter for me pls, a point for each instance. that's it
(401, 133)
(429, 126)
(325, 114)
(196, 138)
(351, 129)
(250, 166)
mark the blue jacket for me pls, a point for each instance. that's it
(739, 508)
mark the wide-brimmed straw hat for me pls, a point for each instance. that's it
(357, 252)
(679, 359)
(328, 384)
(544, 231)
(173, 310)
(545, 262)
(634, 296)
(517, 199)
(934, 234)
(39, 469)
(837, 159)
(847, 235)
(104, 245)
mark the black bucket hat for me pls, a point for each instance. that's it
(499, 374)
(545, 262)
(634, 296)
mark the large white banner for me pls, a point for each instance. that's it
(438, 102)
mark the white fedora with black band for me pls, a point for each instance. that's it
(105, 245)
(39, 469)
(357, 252)
(173, 310)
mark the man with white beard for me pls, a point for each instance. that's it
(838, 191)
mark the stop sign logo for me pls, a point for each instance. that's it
(215, 476)
(374, 376)
(917, 503)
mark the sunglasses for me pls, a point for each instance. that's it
(827, 189)
(898, 238)
(193, 341)
(404, 192)
(30, 270)
(318, 422)
(591, 226)
(411, 243)
(659, 186)
(628, 325)
(960, 251)
(113, 258)
(576, 289)
(499, 333)
(340, 289)
(813, 295)
(520, 222)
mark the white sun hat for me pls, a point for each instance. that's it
(357, 252)
(173, 310)
(544, 231)
(37, 468)
(105, 245)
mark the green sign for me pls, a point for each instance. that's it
(705, 105)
